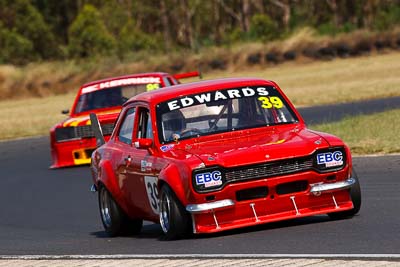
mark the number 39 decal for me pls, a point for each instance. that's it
(273, 101)
(152, 193)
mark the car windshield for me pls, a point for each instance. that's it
(110, 97)
(222, 111)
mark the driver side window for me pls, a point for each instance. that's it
(126, 129)
(145, 129)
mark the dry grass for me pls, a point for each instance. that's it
(336, 81)
(32, 117)
(44, 79)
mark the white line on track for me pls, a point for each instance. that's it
(205, 256)
(377, 155)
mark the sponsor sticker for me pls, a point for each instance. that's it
(154, 81)
(209, 179)
(145, 166)
(330, 159)
(216, 96)
(166, 148)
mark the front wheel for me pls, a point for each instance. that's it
(355, 195)
(114, 219)
(174, 219)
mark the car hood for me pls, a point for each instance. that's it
(105, 117)
(251, 147)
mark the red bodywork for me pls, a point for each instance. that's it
(277, 196)
(76, 147)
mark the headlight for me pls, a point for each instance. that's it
(330, 159)
(209, 179)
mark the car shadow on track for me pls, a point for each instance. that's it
(149, 231)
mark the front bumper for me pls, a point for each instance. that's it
(72, 153)
(229, 213)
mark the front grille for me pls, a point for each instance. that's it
(266, 170)
(107, 128)
(85, 131)
(291, 187)
(252, 193)
(269, 169)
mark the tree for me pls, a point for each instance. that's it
(24, 21)
(263, 27)
(88, 36)
(285, 6)
(15, 48)
(132, 39)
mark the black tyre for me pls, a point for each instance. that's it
(355, 194)
(114, 219)
(174, 219)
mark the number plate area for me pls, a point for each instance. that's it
(152, 193)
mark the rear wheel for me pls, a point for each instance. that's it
(355, 194)
(174, 219)
(114, 219)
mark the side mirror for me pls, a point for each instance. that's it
(65, 111)
(143, 143)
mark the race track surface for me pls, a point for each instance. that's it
(52, 212)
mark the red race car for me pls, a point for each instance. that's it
(215, 155)
(72, 141)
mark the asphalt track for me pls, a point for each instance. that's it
(52, 212)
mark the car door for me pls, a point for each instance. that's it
(124, 169)
(144, 162)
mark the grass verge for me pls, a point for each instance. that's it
(368, 134)
(328, 82)
(33, 116)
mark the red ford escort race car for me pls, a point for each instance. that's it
(216, 155)
(72, 141)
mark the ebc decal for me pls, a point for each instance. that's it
(150, 183)
(215, 96)
(330, 159)
(209, 179)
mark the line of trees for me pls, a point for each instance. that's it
(35, 30)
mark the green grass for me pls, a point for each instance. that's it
(368, 134)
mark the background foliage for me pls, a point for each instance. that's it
(37, 30)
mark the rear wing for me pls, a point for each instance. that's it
(188, 75)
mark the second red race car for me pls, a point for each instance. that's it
(216, 155)
(72, 141)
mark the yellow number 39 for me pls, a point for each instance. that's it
(273, 101)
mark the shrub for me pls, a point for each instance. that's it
(387, 18)
(263, 27)
(15, 48)
(132, 39)
(88, 35)
(115, 16)
(25, 26)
